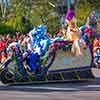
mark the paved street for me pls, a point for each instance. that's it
(59, 91)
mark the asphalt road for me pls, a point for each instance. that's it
(59, 91)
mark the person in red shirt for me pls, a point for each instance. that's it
(3, 46)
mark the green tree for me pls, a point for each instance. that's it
(84, 8)
(22, 15)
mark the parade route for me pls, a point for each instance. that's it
(59, 91)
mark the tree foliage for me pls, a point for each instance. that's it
(22, 15)
(84, 8)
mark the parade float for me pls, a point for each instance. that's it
(69, 56)
(63, 58)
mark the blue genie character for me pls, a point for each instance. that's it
(42, 41)
(31, 56)
(40, 46)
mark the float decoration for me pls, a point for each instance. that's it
(46, 60)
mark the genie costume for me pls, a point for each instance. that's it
(40, 44)
(33, 61)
